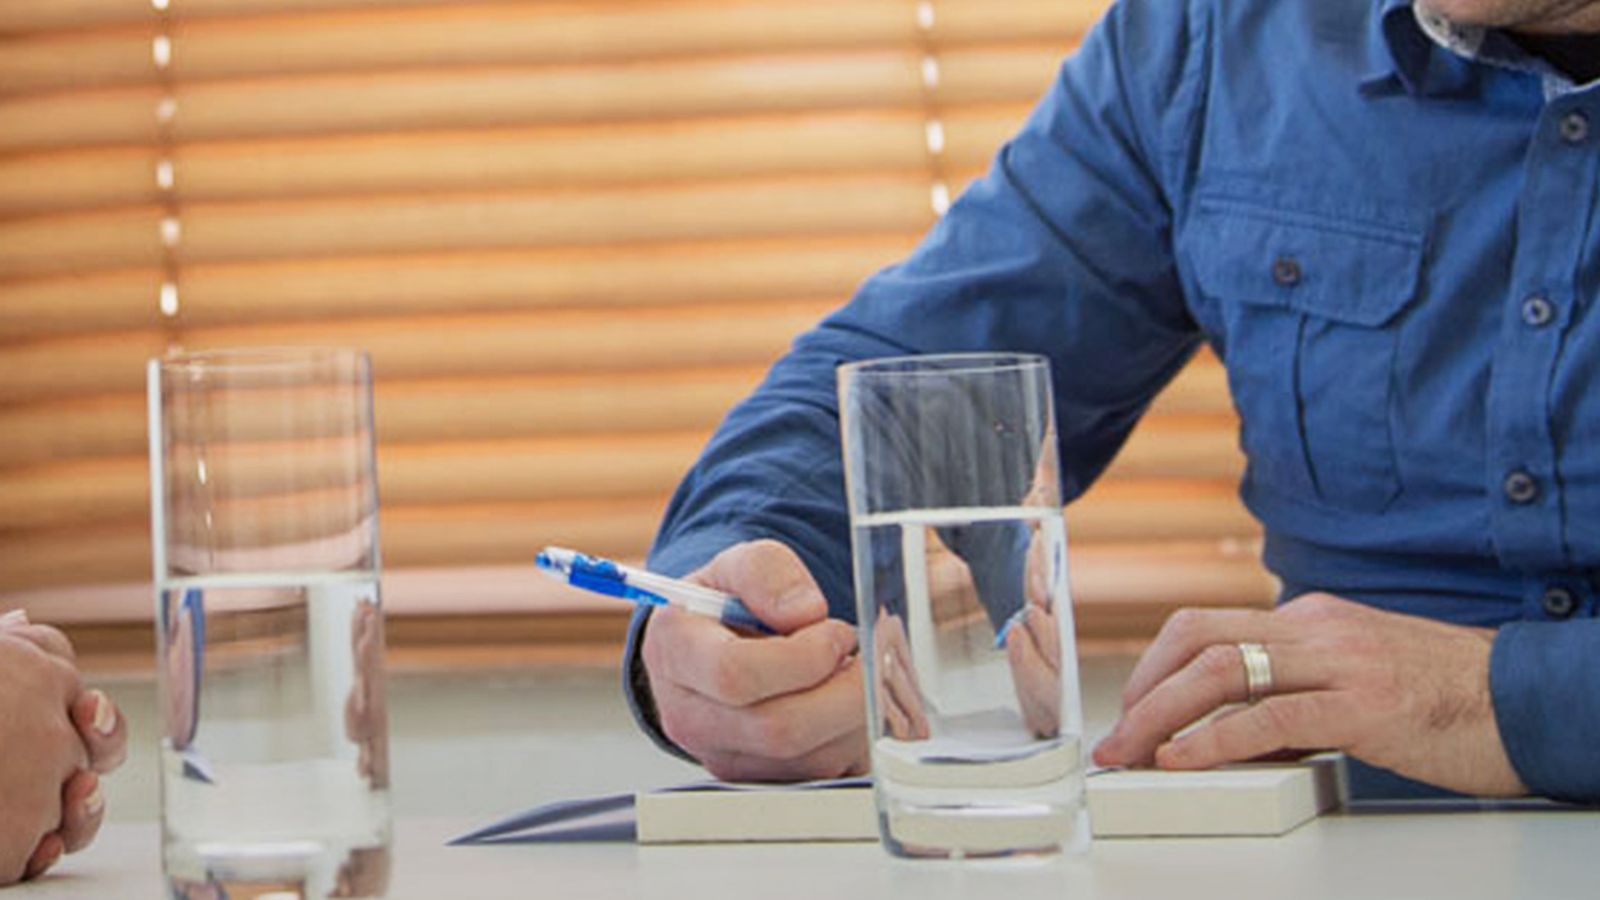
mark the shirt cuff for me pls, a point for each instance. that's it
(1545, 684)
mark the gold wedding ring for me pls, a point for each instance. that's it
(1257, 671)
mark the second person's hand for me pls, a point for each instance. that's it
(750, 708)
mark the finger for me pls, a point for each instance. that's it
(707, 658)
(899, 681)
(896, 722)
(771, 580)
(46, 638)
(1320, 719)
(1037, 683)
(355, 714)
(844, 756)
(1045, 630)
(1038, 590)
(45, 855)
(1212, 679)
(785, 728)
(103, 728)
(83, 807)
(1186, 633)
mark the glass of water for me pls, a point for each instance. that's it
(269, 628)
(961, 591)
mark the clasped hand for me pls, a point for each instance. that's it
(58, 739)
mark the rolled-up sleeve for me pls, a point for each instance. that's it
(1545, 681)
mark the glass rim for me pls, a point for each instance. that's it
(914, 365)
(264, 358)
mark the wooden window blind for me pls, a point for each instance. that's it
(571, 232)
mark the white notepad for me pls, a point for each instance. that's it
(1241, 801)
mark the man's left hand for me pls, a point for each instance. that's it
(1405, 693)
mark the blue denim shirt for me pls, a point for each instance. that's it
(1394, 248)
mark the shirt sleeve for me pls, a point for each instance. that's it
(1063, 249)
(1546, 691)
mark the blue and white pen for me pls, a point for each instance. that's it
(602, 576)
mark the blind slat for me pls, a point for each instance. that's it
(443, 346)
(24, 16)
(28, 16)
(412, 100)
(410, 412)
(523, 34)
(465, 98)
(331, 228)
(640, 275)
(501, 160)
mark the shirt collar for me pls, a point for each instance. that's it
(1428, 55)
(1403, 52)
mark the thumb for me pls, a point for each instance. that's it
(771, 580)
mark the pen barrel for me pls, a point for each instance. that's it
(724, 607)
(736, 615)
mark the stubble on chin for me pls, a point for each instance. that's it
(1547, 16)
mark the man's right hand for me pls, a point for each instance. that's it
(779, 708)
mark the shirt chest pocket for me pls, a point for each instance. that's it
(1308, 309)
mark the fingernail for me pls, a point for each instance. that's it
(14, 617)
(845, 643)
(105, 715)
(95, 802)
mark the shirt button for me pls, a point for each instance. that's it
(1286, 271)
(1574, 128)
(1537, 311)
(1558, 603)
(1521, 488)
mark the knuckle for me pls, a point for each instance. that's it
(1316, 606)
(680, 728)
(1283, 720)
(59, 640)
(1181, 625)
(1218, 662)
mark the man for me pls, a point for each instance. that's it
(57, 740)
(1383, 218)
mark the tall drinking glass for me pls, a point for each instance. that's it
(269, 629)
(961, 590)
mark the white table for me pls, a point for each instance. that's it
(469, 749)
(1463, 856)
